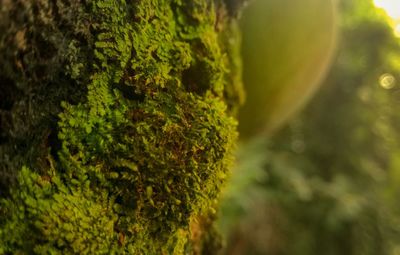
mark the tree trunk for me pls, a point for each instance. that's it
(117, 123)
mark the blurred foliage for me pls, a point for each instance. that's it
(328, 183)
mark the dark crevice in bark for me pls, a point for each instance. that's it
(196, 78)
(8, 93)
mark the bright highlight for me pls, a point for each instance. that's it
(392, 7)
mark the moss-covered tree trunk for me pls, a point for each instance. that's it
(117, 123)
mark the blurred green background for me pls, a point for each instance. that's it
(322, 179)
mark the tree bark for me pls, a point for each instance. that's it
(117, 124)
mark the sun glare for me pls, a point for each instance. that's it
(392, 7)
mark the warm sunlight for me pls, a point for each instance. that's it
(392, 7)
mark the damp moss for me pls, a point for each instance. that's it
(146, 150)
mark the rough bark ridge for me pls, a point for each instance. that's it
(117, 124)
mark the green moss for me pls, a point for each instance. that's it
(46, 216)
(147, 152)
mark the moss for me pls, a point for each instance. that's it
(39, 41)
(46, 216)
(144, 153)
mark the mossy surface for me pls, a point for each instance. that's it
(134, 131)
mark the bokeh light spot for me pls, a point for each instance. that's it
(387, 81)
